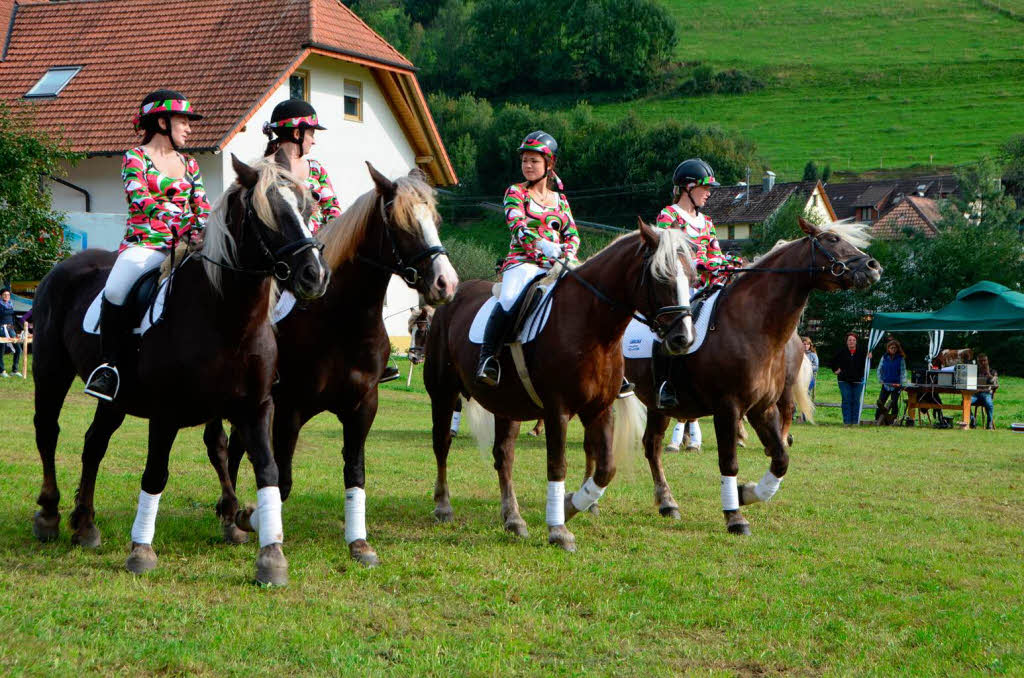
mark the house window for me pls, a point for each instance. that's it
(353, 100)
(298, 85)
(53, 81)
(731, 232)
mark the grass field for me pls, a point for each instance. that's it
(860, 84)
(886, 551)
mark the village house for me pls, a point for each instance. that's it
(80, 68)
(892, 207)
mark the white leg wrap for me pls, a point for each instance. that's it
(355, 514)
(695, 434)
(768, 486)
(268, 516)
(144, 526)
(730, 494)
(556, 503)
(587, 496)
(677, 434)
(456, 420)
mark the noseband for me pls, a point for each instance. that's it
(405, 269)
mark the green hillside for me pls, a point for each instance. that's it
(861, 85)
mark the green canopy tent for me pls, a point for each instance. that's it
(984, 307)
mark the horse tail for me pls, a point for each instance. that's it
(801, 390)
(629, 418)
(481, 426)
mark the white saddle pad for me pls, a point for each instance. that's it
(638, 341)
(91, 319)
(531, 328)
(284, 306)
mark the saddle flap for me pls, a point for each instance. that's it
(141, 296)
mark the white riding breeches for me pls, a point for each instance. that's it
(513, 281)
(128, 268)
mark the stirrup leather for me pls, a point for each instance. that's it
(95, 375)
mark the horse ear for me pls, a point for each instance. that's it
(648, 234)
(384, 185)
(417, 173)
(807, 227)
(247, 176)
(281, 158)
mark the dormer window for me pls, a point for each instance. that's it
(53, 81)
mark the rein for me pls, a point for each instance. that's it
(837, 268)
(404, 269)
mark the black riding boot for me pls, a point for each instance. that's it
(105, 380)
(664, 391)
(488, 371)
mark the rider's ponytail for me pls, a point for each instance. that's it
(274, 143)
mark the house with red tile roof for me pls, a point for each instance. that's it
(80, 68)
(908, 214)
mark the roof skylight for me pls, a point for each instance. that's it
(53, 81)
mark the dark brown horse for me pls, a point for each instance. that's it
(213, 354)
(419, 329)
(575, 365)
(743, 369)
(332, 351)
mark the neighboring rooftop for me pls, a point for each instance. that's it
(912, 213)
(882, 195)
(752, 204)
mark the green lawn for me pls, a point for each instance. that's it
(860, 85)
(886, 551)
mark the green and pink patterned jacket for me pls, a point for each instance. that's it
(159, 205)
(320, 186)
(711, 261)
(529, 222)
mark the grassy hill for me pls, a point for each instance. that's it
(861, 85)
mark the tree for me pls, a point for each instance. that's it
(31, 233)
(811, 171)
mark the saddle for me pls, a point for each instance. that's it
(144, 305)
(526, 304)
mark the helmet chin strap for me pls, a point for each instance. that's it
(167, 132)
(693, 203)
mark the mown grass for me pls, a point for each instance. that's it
(886, 551)
(861, 85)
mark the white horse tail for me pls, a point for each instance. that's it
(481, 426)
(800, 390)
(629, 418)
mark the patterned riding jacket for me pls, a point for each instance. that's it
(711, 261)
(530, 221)
(319, 184)
(159, 206)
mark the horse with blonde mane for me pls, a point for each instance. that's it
(750, 363)
(575, 365)
(211, 355)
(332, 351)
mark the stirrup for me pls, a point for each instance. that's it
(390, 373)
(482, 373)
(666, 396)
(92, 385)
(626, 389)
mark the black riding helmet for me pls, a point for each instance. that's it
(164, 103)
(694, 172)
(292, 114)
(545, 144)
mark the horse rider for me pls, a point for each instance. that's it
(292, 127)
(692, 182)
(166, 202)
(542, 230)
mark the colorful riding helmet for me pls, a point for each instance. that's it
(694, 172)
(164, 102)
(294, 113)
(540, 142)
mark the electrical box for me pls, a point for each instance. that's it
(965, 376)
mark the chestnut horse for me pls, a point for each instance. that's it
(743, 369)
(333, 350)
(213, 354)
(575, 365)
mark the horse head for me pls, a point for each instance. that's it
(665, 295)
(409, 214)
(836, 261)
(267, 227)
(419, 328)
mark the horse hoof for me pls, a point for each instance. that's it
(693, 448)
(444, 515)
(747, 495)
(517, 526)
(740, 528)
(142, 559)
(671, 448)
(789, 440)
(243, 518)
(363, 553)
(561, 537)
(594, 510)
(88, 537)
(233, 534)
(271, 566)
(741, 443)
(45, 528)
(670, 512)
(735, 523)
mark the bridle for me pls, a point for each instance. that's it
(403, 268)
(836, 267)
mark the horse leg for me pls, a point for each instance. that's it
(51, 388)
(505, 433)
(442, 407)
(726, 423)
(154, 479)
(769, 430)
(558, 534)
(106, 420)
(588, 471)
(271, 565)
(597, 441)
(288, 422)
(654, 437)
(227, 506)
(357, 425)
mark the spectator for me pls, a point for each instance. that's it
(891, 369)
(989, 381)
(8, 330)
(848, 365)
